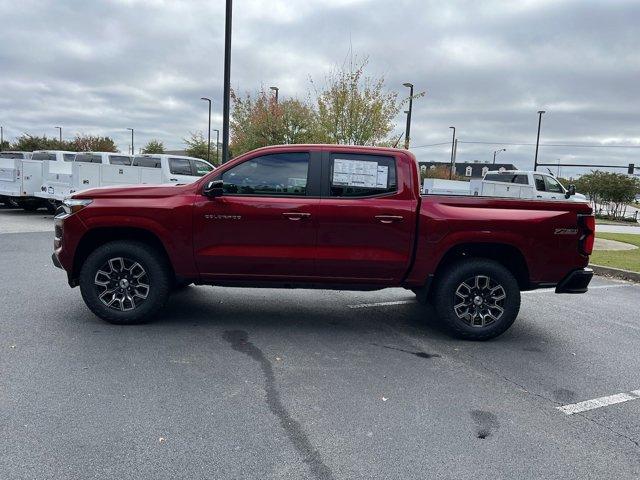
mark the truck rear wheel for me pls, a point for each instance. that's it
(477, 299)
(125, 282)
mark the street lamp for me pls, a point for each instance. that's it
(133, 152)
(453, 144)
(208, 130)
(60, 129)
(217, 142)
(227, 81)
(407, 132)
(497, 152)
(276, 90)
(1, 137)
(535, 160)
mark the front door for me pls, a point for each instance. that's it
(264, 226)
(366, 219)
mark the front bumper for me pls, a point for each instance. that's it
(55, 260)
(576, 281)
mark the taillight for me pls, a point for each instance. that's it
(587, 225)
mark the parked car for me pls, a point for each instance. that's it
(322, 216)
(175, 168)
(22, 177)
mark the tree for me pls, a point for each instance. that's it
(259, 122)
(153, 146)
(441, 172)
(197, 145)
(92, 143)
(29, 143)
(355, 109)
(610, 193)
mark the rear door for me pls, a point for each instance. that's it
(366, 218)
(264, 226)
(180, 170)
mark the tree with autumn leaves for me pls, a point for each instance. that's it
(352, 108)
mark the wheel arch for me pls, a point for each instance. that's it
(507, 255)
(99, 236)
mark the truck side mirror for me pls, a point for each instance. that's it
(213, 189)
(570, 191)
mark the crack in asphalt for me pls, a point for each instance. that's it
(239, 340)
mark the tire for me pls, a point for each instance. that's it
(467, 299)
(148, 282)
(29, 206)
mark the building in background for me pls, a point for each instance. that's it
(469, 169)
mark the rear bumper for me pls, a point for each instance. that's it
(575, 282)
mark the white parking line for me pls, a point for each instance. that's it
(599, 402)
(380, 304)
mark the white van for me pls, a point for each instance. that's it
(82, 172)
(22, 177)
(175, 168)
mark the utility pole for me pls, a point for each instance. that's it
(208, 130)
(453, 145)
(60, 130)
(227, 82)
(276, 90)
(1, 137)
(535, 160)
(407, 134)
(217, 142)
(133, 152)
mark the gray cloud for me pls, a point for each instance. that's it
(99, 67)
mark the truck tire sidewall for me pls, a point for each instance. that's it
(153, 263)
(454, 275)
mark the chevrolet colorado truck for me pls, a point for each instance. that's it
(321, 216)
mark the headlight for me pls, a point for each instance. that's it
(73, 205)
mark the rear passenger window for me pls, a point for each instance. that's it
(88, 158)
(355, 175)
(43, 156)
(506, 178)
(119, 160)
(200, 168)
(13, 155)
(180, 166)
(69, 157)
(149, 162)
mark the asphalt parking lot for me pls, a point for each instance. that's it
(248, 383)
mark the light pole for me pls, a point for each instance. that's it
(497, 152)
(217, 142)
(227, 82)
(133, 152)
(535, 160)
(60, 130)
(407, 132)
(453, 144)
(1, 137)
(208, 130)
(276, 90)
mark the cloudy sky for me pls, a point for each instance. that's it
(487, 67)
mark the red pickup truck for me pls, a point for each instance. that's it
(321, 216)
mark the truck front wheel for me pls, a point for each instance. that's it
(477, 299)
(125, 282)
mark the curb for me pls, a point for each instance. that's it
(616, 273)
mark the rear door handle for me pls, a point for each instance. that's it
(389, 218)
(296, 215)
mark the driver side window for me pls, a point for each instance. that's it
(280, 174)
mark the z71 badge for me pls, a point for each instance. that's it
(566, 231)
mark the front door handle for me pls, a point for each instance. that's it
(173, 179)
(296, 215)
(389, 218)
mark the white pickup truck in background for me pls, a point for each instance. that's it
(22, 177)
(506, 184)
(103, 169)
